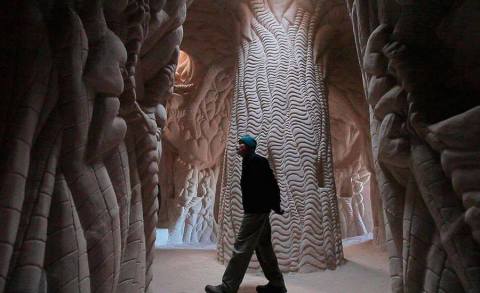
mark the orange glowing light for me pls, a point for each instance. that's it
(185, 69)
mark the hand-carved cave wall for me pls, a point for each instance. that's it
(80, 111)
(195, 136)
(358, 199)
(196, 130)
(85, 85)
(420, 64)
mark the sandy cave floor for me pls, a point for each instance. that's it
(182, 270)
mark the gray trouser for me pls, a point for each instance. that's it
(254, 234)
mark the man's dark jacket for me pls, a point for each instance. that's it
(260, 192)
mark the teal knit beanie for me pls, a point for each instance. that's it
(248, 141)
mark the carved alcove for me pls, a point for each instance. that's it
(224, 46)
(196, 129)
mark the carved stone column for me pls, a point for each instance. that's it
(281, 99)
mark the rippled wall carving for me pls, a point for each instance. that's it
(80, 143)
(196, 130)
(420, 63)
(280, 98)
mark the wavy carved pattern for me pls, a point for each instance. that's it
(280, 98)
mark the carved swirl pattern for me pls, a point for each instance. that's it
(280, 99)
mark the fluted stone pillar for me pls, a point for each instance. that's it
(280, 98)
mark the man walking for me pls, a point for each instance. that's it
(260, 194)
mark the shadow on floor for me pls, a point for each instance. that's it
(188, 271)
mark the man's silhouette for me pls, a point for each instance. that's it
(260, 194)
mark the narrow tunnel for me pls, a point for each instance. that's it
(119, 122)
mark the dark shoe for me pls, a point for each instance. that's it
(271, 289)
(214, 289)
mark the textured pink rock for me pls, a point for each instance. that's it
(87, 94)
(78, 190)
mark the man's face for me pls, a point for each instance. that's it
(242, 149)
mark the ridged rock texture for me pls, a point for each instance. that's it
(359, 204)
(79, 148)
(196, 130)
(420, 65)
(281, 99)
(199, 112)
